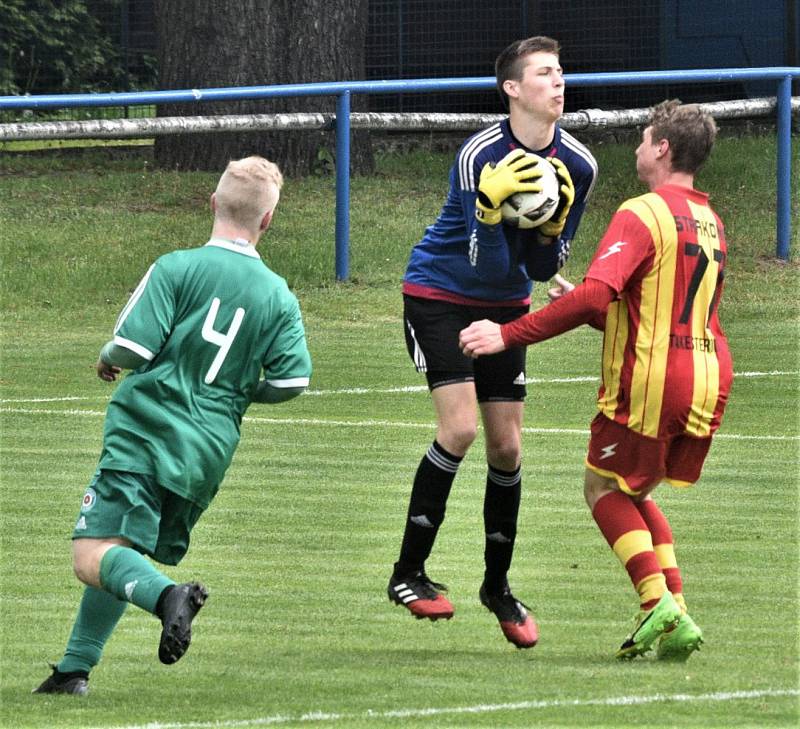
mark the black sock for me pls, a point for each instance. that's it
(161, 598)
(61, 677)
(426, 508)
(500, 510)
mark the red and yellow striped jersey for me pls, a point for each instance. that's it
(666, 365)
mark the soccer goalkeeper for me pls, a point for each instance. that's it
(198, 332)
(470, 265)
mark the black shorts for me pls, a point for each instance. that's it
(432, 329)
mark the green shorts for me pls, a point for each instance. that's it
(156, 521)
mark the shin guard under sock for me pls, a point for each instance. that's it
(98, 615)
(426, 507)
(500, 510)
(132, 577)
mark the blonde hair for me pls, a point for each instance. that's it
(248, 189)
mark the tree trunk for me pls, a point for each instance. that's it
(260, 43)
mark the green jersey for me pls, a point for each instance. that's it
(208, 321)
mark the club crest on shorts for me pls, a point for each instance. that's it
(88, 501)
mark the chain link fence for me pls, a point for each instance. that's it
(111, 45)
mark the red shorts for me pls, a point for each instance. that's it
(637, 461)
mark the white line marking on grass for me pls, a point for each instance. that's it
(382, 424)
(369, 390)
(773, 373)
(48, 399)
(319, 717)
(397, 390)
(41, 411)
(424, 388)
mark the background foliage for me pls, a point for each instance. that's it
(65, 47)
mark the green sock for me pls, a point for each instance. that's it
(133, 578)
(97, 617)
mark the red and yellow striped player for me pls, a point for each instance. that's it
(653, 287)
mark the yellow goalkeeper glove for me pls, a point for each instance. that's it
(514, 173)
(566, 196)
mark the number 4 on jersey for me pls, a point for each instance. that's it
(220, 339)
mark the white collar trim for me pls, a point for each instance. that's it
(239, 245)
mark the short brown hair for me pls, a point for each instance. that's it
(689, 131)
(510, 63)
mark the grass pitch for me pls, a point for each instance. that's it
(297, 548)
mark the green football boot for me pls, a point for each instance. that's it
(650, 624)
(680, 642)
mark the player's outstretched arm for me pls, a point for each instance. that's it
(583, 305)
(481, 338)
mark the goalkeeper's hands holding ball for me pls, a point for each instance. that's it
(566, 196)
(514, 173)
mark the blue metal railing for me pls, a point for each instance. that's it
(782, 76)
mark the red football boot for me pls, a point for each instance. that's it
(517, 625)
(422, 597)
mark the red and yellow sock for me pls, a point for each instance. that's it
(663, 545)
(628, 536)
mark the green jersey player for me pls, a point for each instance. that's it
(198, 332)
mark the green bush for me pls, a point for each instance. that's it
(57, 47)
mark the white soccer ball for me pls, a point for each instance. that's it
(531, 209)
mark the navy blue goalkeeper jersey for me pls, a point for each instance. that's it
(466, 262)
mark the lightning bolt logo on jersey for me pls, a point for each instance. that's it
(612, 249)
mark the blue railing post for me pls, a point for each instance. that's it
(784, 130)
(343, 90)
(343, 186)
